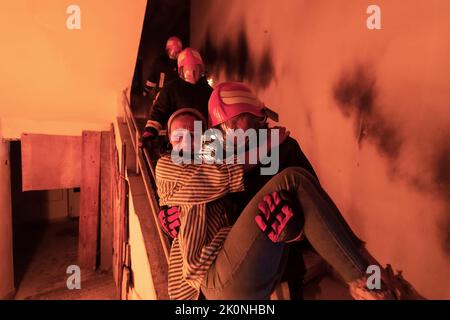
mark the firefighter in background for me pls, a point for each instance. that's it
(190, 89)
(164, 69)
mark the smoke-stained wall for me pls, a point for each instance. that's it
(370, 109)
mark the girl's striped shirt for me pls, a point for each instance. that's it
(197, 189)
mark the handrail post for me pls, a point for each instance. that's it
(142, 158)
(137, 151)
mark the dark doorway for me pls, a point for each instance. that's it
(45, 233)
(163, 19)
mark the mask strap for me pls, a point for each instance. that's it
(270, 114)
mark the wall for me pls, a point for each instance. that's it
(143, 288)
(6, 253)
(370, 109)
(61, 81)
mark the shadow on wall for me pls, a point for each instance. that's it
(26, 236)
(233, 56)
(356, 95)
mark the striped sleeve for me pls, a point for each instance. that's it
(204, 225)
(199, 252)
(235, 177)
(196, 183)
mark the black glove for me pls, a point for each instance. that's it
(146, 139)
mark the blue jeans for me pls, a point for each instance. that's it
(249, 265)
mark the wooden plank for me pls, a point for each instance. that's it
(89, 200)
(121, 218)
(106, 217)
(116, 209)
(125, 287)
(50, 162)
(126, 278)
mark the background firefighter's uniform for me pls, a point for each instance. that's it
(163, 71)
(176, 95)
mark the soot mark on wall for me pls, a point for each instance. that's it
(356, 95)
(441, 172)
(232, 55)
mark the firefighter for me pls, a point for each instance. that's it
(190, 89)
(292, 205)
(290, 154)
(164, 69)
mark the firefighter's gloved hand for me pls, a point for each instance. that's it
(147, 137)
(151, 92)
(280, 217)
(169, 217)
(154, 91)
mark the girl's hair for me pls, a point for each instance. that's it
(165, 146)
(186, 111)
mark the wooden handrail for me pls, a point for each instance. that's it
(143, 164)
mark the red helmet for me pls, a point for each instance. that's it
(190, 65)
(230, 99)
(174, 47)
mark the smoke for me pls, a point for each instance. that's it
(232, 56)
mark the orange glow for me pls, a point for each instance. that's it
(60, 81)
(385, 166)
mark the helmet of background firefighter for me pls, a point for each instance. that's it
(230, 99)
(190, 65)
(173, 47)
